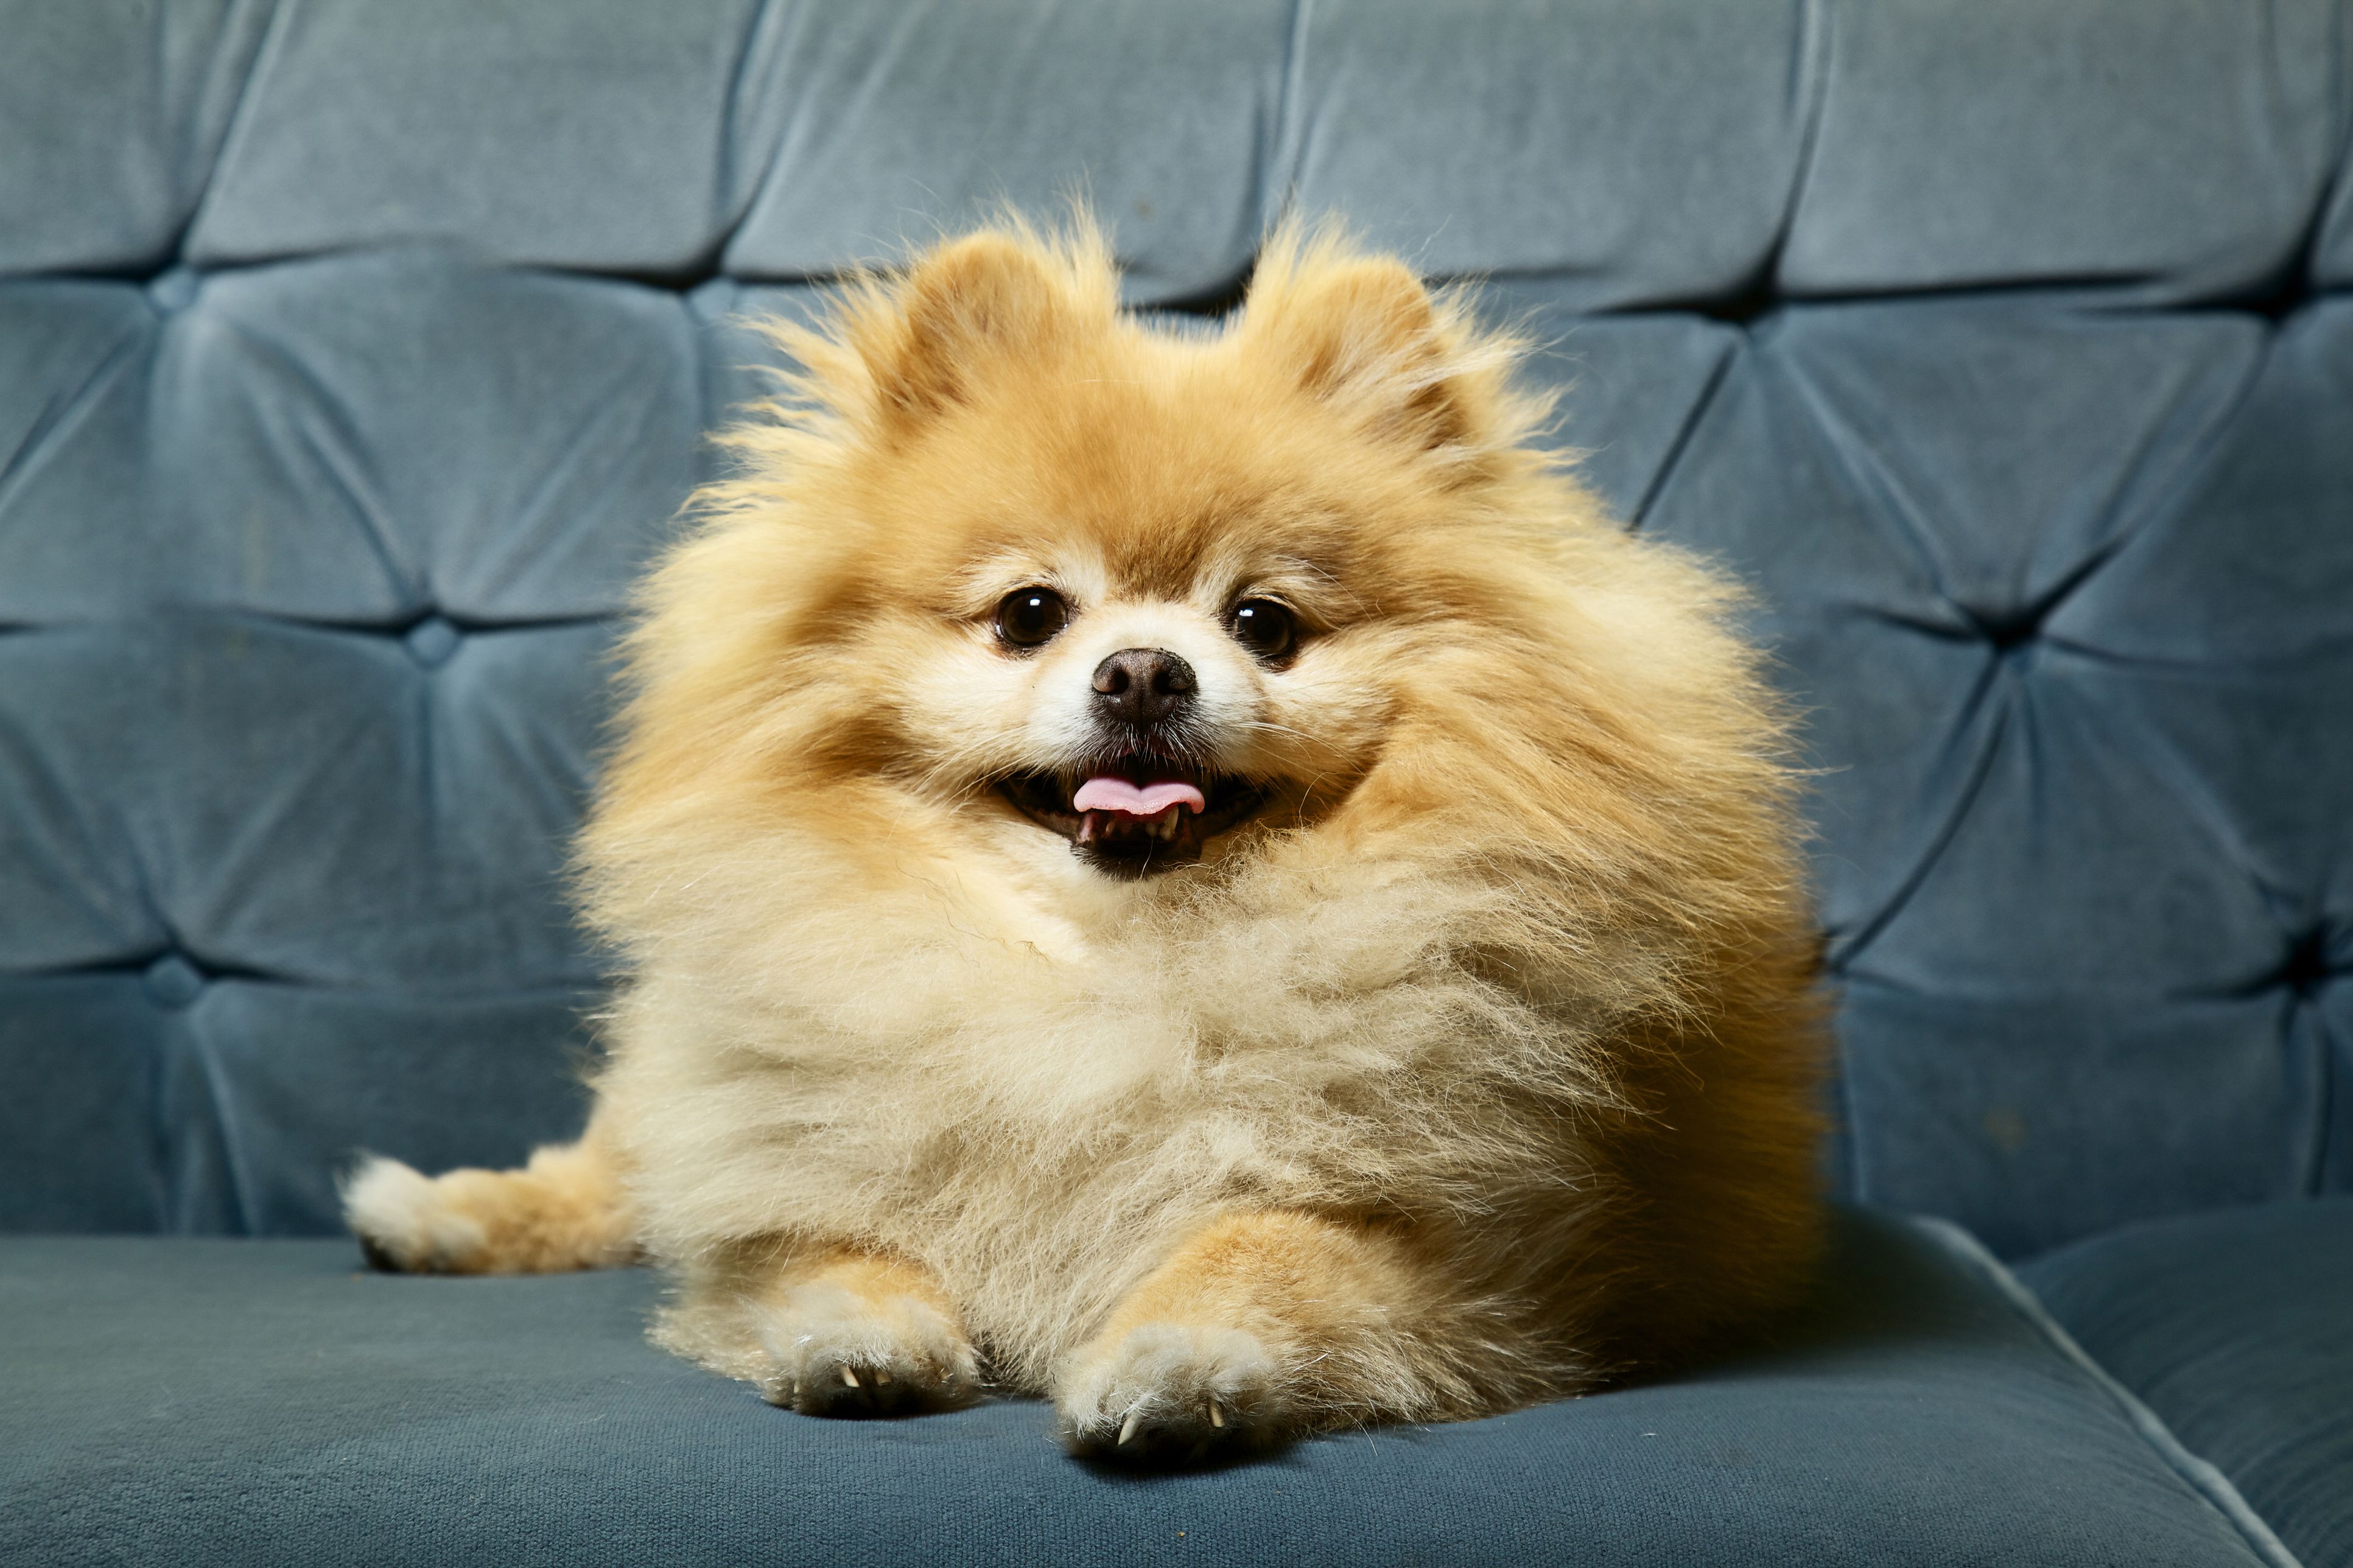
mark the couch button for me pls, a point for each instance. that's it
(173, 981)
(2009, 630)
(431, 641)
(2305, 968)
(173, 290)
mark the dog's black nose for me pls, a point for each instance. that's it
(1142, 686)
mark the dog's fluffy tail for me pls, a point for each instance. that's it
(567, 1209)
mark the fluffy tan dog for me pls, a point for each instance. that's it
(1195, 875)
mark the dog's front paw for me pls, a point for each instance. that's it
(833, 1350)
(1171, 1393)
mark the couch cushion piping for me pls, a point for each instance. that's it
(2202, 1476)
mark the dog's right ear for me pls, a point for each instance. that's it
(961, 310)
(1361, 333)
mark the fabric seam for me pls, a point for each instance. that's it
(2202, 1477)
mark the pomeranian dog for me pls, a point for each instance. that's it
(1192, 873)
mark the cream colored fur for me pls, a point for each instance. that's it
(1477, 1068)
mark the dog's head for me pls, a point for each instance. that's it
(1013, 573)
(1148, 589)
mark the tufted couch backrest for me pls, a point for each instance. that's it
(354, 355)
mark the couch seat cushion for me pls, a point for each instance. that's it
(267, 1401)
(2237, 1328)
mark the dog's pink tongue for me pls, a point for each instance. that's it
(1111, 793)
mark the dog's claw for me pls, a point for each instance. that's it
(881, 1376)
(849, 1377)
(1127, 1428)
(1217, 1417)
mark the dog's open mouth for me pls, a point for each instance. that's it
(1138, 816)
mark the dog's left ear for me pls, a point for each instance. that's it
(970, 306)
(1361, 332)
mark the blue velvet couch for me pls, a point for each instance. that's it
(354, 353)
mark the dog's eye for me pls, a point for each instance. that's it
(1027, 617)
(1264, 628)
